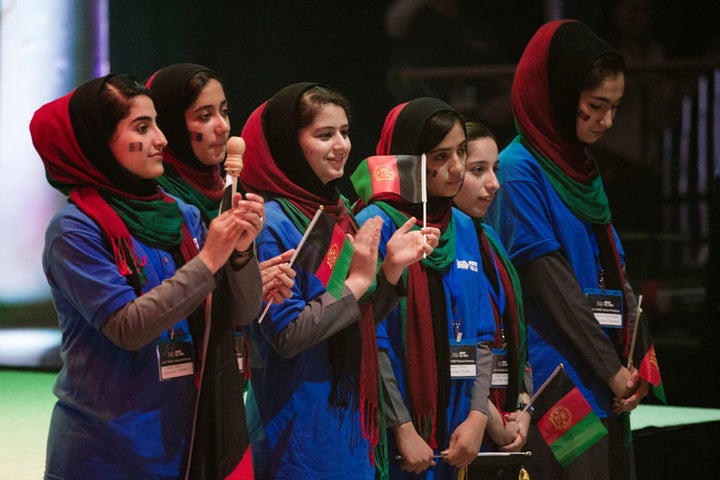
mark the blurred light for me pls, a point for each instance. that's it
(29, 347)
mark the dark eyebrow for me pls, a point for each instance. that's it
(600, 98)
(209, 106)
(464, 142)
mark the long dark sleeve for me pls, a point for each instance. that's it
(551, 283)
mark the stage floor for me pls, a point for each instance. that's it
(667, 439)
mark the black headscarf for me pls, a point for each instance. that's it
(167, 86)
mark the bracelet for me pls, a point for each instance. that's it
(243, 254)
(238, 259)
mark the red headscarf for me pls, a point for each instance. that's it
(546, 89)
(545, 94)
(78, 161)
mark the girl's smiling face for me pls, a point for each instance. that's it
(325, 142)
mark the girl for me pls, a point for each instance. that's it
(553, 216)
(507, 429)
(437, 405)
(313, 403)
(129, 268)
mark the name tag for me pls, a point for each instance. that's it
(239, 349)
(606, 305)
(463, 360)
(175, 358)
(500, 369)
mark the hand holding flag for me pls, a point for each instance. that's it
(649, 369)
(393, 178)
(324, 251)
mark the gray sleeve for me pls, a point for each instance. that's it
(396, 413)
(528, 380)
(481, 387)
(144, 319)
(245, 287)
(551, 283)
(386, 297)
(321, 318)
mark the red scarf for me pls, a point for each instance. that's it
(535, 115)
(207, 181)
(78, 162)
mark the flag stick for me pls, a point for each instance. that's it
(297, 250)
(306, 234)
(231, 182)
(634, 335)
(542, 387)
(423, 187)
(484, 455)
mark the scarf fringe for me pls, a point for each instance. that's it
(127, 260)
(426, 426)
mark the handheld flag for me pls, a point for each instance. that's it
(565, 419)
(326, 253)
(323, 251)
(649, 369)
(399, 176)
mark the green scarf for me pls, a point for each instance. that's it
(587, 201)
(176, 185)
(444, 254)
(156, 223)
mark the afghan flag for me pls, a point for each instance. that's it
(390, 176)
(565, 419)
(650, 371)
(325, 252)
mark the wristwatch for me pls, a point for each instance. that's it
(530, 410)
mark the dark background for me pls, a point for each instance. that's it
(259, 46)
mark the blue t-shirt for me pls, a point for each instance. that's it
(532, 220)
(294, 431)
(467, 302)
(114, 418)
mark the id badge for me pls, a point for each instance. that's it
(239, 349)
(606, 305)
(175, 358)
(500, 370)
(463, 360)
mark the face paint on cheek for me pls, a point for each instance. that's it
(432, 173)
(136, 146)
(196, 136)
(583, 115)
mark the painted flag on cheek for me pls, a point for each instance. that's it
(566, 420)
(389, 175)
(326, 253)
